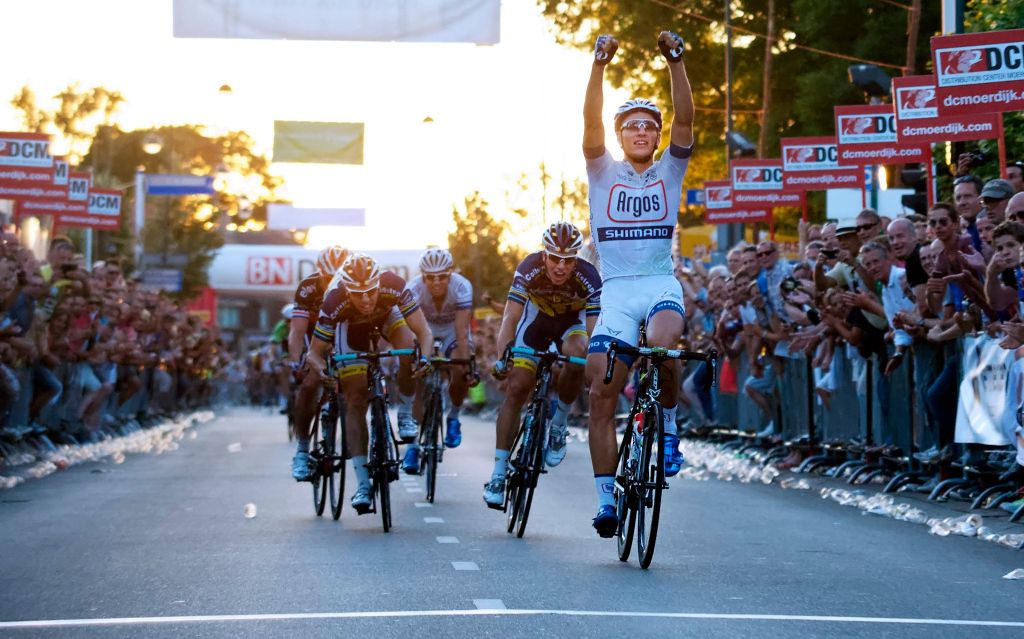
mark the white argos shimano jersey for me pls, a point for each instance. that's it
(632, 216)
(458, 298)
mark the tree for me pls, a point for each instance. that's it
(480, 249)
(191, 225)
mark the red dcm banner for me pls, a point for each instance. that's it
(41, 184)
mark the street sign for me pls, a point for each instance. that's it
(979, 72)
(812, 164)
(918, 119)
(161, 279)
(694, 197)
(179, 184)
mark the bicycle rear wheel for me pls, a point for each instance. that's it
(517, 470)
(650, 482)
(535, 456)
(337, 460)
(429, 444)
(625, 506)
(320, 480)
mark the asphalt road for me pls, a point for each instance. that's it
(158, 547)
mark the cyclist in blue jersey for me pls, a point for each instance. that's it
(633, 210)
(555, 298)
(446, 299)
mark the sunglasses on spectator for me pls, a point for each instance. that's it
(942, 221)
(437, 277)
(555, 260)
(990, 200)
(639, 126)
(866, 227)
(765, 253)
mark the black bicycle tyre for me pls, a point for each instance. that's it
(429, 450)
(319, 481)
(337, 465)
(536, 453)
(625, 509)
(514, 478)
(382, 461)
(647, 532)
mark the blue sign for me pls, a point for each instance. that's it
(179, 184)
(161, 279)
(694, 197)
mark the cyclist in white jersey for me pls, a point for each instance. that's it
(633, 208)
(446, 299)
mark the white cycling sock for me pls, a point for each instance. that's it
(362, 472)
(605, 485)
(500, 462)
(302, 445)
(561, 413)
(453, 412)
(670, 420)
(404, 404)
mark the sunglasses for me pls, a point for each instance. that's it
(867, 227)
(555, 260)
(990, 200)
(437, 277)
(765, 253)
(639, 126)
(942, 221)
(366, 293)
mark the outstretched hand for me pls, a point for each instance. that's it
(671, 46)
(604, 49)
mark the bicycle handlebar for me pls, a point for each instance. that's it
(550, 356)
(659, 354)
(395, 352)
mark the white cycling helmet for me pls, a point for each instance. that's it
(563, 239)
(287, 310)
(360, 273)
(436, 260)
(331, 259)
(632, 106)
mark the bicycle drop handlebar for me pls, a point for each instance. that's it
(546, 357)
(659, 355)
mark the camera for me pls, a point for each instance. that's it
(977, 159)
(830, 253)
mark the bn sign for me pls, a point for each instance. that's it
(269, 271)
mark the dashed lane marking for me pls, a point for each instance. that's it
(489, 604)
(433, 520)
(447, 540)
(465, 565)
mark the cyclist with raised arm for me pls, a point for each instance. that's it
(555, 297)
(633, 208)
(363, 299)
(446, 299)
(308, 297)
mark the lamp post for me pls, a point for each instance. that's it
(151, 145)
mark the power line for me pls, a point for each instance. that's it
(905, 7)
(833, 54)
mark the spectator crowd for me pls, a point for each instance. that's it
(88, 353)
(896, 294)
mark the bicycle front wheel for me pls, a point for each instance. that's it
(384, 457)
(337, 459)
(430, 444)
(518, 468)
(535, 455)
(650, 482)
(625, 506)
(316, 447)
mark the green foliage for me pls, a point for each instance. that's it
(992, 15)
(480, 248)
(174, 225)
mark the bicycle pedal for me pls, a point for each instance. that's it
(495, 506)
(364, 509)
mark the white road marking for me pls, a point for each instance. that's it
(465, 565)
(424, 504)
(489, 604)
(447, 540)
(433, 520)
(137, 621)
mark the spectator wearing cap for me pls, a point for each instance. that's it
(1015, 175)
(995, 195)
(967, 197)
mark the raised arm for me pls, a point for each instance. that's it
(671, 46)
(593, 103)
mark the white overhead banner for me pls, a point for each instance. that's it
(475, 21)
(286, 216)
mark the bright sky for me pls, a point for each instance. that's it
(498, 110)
